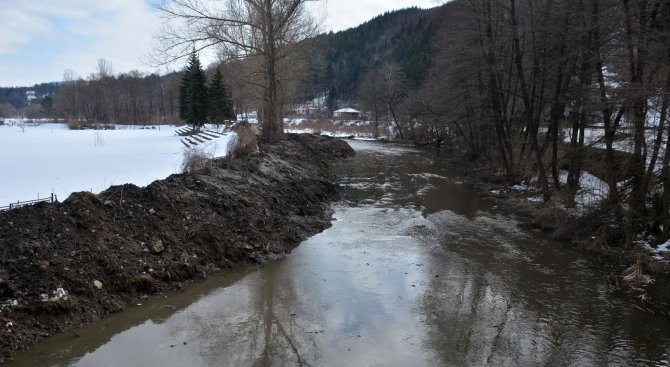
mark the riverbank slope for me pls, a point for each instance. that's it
(66, 264)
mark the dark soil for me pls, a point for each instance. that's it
(106, 251)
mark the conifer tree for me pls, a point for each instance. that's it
(220, 103)
(331, 98)
(193, 94)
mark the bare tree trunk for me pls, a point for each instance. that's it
(579, 117)
(610, 127)
(665, 177)
(637, 63)
(659, 137)
(665, 171)
(557, 108)
(531, 126)
(273, 130)
(395, 121)
(272, 123)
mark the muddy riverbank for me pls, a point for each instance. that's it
(628, 268)
(66, 264)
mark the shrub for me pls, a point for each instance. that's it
(73, 125)
(196, 159)
(244, 142)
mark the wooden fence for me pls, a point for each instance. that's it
(19, 204)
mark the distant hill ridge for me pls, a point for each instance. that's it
(18, 97)
(402, 36)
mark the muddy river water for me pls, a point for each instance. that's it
(416, 270)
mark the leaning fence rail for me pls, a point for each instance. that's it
(19, 204)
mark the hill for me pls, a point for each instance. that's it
(403, 37)
(20, 97)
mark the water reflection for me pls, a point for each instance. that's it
(416, 271)
(507, 300)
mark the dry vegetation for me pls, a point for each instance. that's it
(345, 127)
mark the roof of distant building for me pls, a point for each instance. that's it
(347, 110)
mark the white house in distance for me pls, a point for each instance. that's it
(2, 120)
(347, 113)
(30, 95)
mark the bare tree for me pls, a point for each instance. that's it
(68, 96)
(395, 84)
(6, 110)
(371, 96)
(268, 29)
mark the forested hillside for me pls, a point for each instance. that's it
(17, 98)
(402, 38)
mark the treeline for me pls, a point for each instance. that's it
(137, 98)
(126, 98)
(524, 84)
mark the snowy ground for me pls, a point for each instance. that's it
(358, 129)
(658, 252)
(37, 160)
(595, 137)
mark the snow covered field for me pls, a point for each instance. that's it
(38, 160)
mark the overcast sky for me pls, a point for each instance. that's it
(40, 39)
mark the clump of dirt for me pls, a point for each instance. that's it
(69, 263)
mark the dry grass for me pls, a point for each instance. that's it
(82, 125)
(196, 159)
(634, 276)
(245, 143)
(341, 127)
(73, 125)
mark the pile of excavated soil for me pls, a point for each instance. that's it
(69, 263)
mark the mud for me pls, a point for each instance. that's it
(70, 263)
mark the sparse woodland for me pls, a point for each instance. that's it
(536, 92)
(523, 85)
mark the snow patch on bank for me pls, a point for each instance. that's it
(659, 252)
(39, 159)
(592, 190)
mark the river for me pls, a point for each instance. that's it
(417, 270)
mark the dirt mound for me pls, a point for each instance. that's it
(69, 263)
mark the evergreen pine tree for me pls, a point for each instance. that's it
(332, 102)
(332, 98)
(220, 103)
(193, 94)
